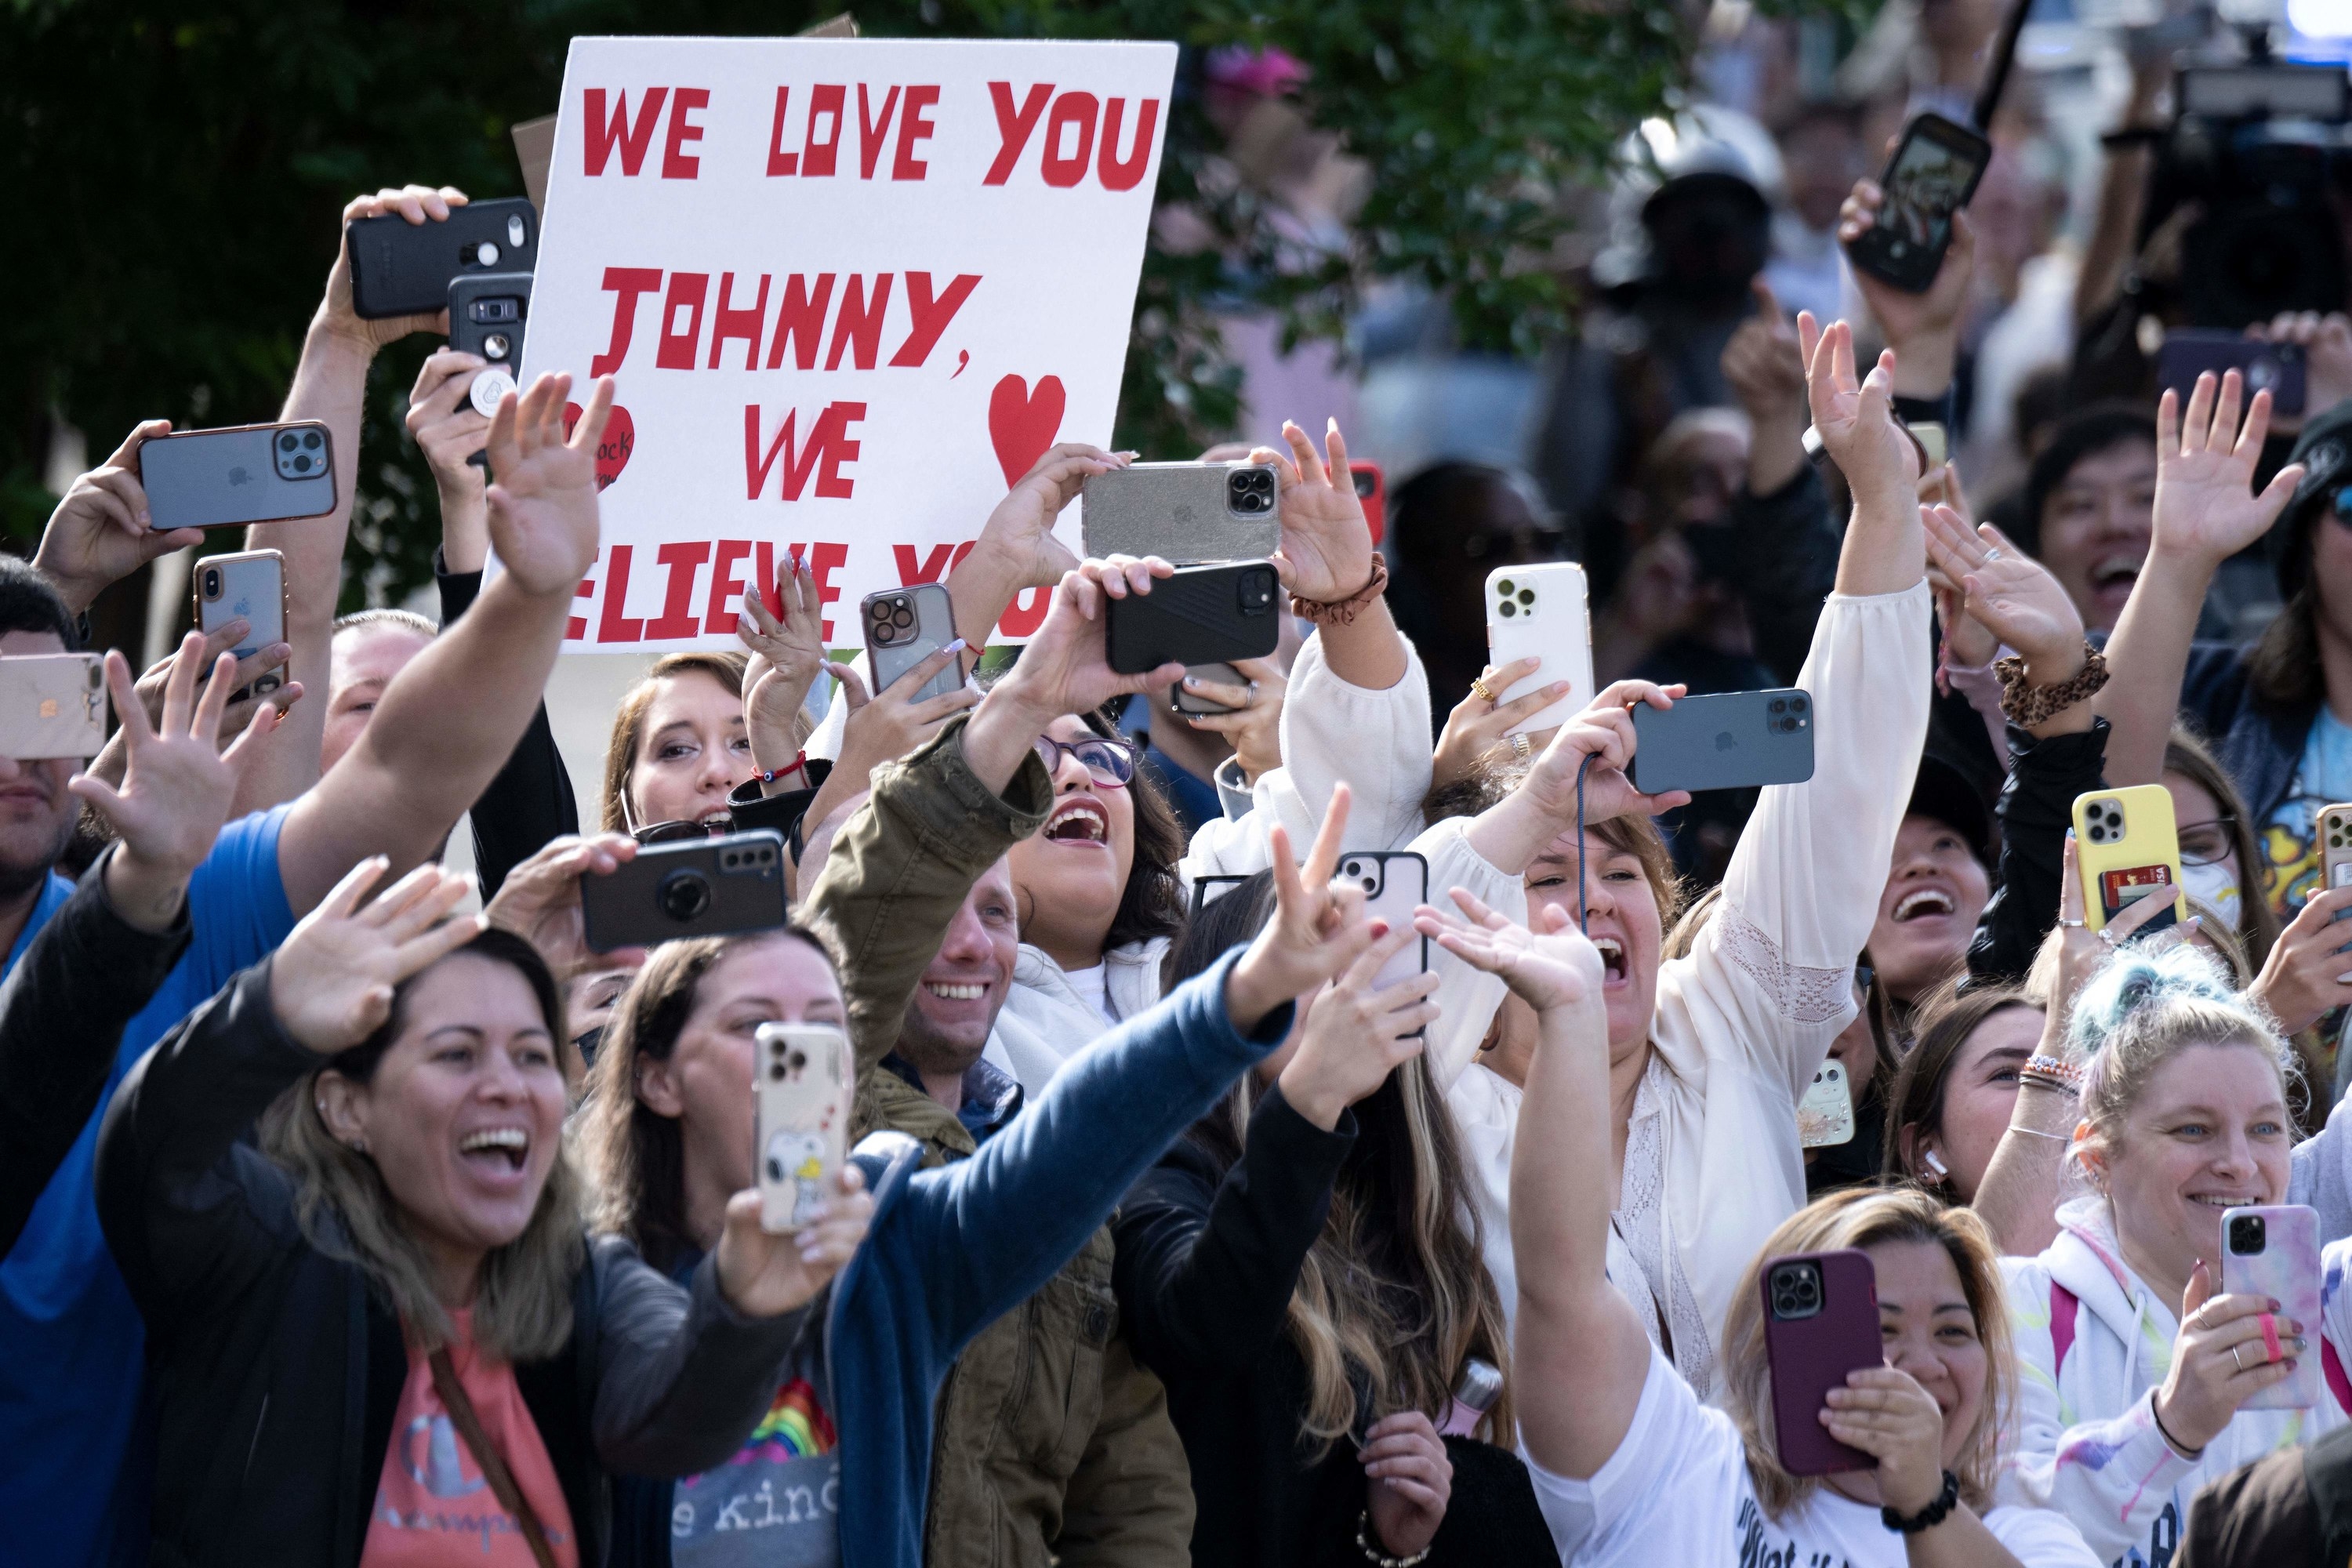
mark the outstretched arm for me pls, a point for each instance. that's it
(448, 721)
(2206, 511)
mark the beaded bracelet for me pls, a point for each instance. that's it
(1927, 1518)
(1374, 1554)
(2026, 706)
(2052, 1073)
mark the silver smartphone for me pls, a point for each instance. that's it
(805, 1073)
(905, 626)
(250, 583)
(1183, 512)
(52, 705)
(245, 473)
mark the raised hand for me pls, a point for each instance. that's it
(1316, 930)
(1022, 526)
(1906, 319)
(331, 981)
(543, 497)
(1550, 971)
(1479, 724)
(1605, 732)
(1409, 1480)
(1065, 667)
(2206, 507)
(418, 205)
(1855, 416)
(893, 724)
(1763, 363)
(101, 532)
(1326, 546)
(448, 430)
(1883, 1412)
(2008, 591)
(1358, 1033)
(2326, 342)
(177, 785)
(2308, 975)
(762, 1273)
(539, 901)
(787, 655)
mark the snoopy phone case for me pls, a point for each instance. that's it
(805, 1073)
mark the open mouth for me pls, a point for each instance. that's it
(955, 992)
(1613, 959)
(1078, 821)
(2115, 574)
(1922, 901)
(498, 1149)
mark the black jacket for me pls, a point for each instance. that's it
(276, 1369)
(84, 976)
(2036, 809)
(530, 801)
(1207, 1263)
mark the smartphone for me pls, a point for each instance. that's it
(1540, 612)
(1182, 701)
(1932, 175)
(52, 705)
(2336, 849)
(1736, 741)
(1821, 1323)
(905, 626)
(1373, 490)
(2125, 843)
(701, 887)
(1395, 884)
(241, 473)
(2276, 368)
(1825, 1116)
(250, 583)
(1207, 890)
(487, 313)
(806, 1073)
(404, 269)
(2272, 1250)
(1934, 443)
(1199, 615)
(1183, 512)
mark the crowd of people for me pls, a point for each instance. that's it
(345, 1224)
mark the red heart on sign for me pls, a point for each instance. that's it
(1023, 423)
(612, 452)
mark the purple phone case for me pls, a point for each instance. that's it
(2287, 1271)
(1810, 1356)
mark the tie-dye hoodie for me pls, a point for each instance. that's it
(2093, 1343)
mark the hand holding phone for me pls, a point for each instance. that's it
(905, 626)
(404, 269)
(1933, 174)
(2273, 1251)
(701, 887)
(1821, 1323)
(1540, 612)
(804, 1075)
(1197, 614)
(2127, 846)
(101, 530)
(245, 473)
(1735, 740)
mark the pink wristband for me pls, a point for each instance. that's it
(2271, 1350)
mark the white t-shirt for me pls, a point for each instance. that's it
(1093, 987)
(1678, 1490)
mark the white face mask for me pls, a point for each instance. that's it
(2214, 886)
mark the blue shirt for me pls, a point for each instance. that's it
(72, 1350)
(2290, 839)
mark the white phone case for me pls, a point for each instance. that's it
(804, 1073)
(251, 583)
(1395, 883)
(52, 705)
(1539, 612)
(1825, 1116)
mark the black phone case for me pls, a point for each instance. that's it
(470, 336)
(1736, 741)
(404, 269)
(652, 899)
(1197, 617)
(1907, 265)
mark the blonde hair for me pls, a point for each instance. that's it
(523, 1304)
(629, 720)
(1864, 1218)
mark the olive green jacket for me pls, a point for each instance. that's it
(1054, 1444)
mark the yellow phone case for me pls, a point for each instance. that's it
(2123, 839)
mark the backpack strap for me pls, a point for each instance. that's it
(2064, 1306)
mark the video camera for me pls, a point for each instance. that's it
(2263, 149)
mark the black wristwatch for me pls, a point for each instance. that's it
(1927, 1518)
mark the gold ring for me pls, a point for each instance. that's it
(1522, 748)
(1485, 692)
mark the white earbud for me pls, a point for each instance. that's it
(1935, 1163)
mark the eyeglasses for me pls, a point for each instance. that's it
(2208, 843)
(1110, 763)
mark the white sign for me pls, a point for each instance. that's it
(848, 289)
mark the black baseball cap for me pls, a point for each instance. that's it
(2324, 449)
(1944, 791)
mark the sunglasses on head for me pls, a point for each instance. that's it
(676, 830)
(1109, 763)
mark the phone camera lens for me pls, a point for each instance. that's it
(495, 346)
(286, 442)
(901, 616)
(2246, 1235)
(776, 1071)
(309, 440)
(1507, 609)
(301, 464)
(1527, 597)
(1780, 706)
(1505, 588)
(799, 1060)
(212, 583)
(684, 895)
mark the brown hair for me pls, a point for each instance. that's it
(629, 720)
(522, 1311)
(637, 1155)
(1498, 773)
(1153, 902)
(1864, 1218)
(1945, 1020)
(2283, 671)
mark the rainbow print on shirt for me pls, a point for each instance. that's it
(795, 1427)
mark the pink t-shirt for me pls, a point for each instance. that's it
(433, 1505)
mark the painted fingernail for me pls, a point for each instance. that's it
(955, 646)
(1379, 929)
(2274, 1306)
